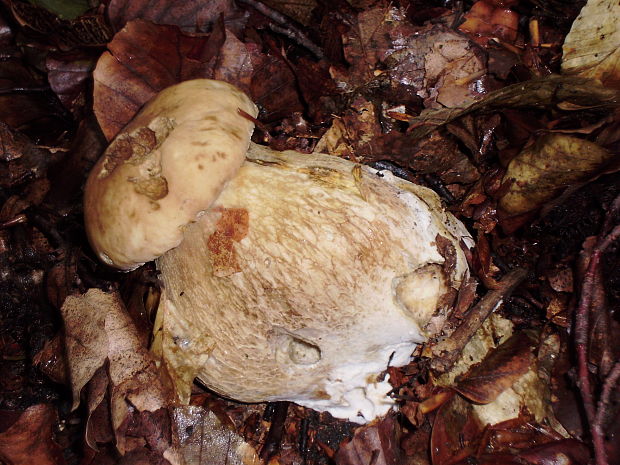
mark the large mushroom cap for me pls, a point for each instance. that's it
(166, 167)
(306, 278)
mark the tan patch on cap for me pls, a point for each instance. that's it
(232, 227)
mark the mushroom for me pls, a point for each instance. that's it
(303, 280)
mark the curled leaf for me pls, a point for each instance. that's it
(550, 90)
(541, 171)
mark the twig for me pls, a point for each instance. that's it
(447, 351)
(595, 416)
(274, 436)
(605, 400)
(285, 27)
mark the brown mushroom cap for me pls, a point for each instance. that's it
(164, 169)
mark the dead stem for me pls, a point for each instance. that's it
(447, 351)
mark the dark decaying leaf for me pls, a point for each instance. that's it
(540, 92)
(544, 169)
(438, 154)
(191, 15)
(30, 440)
(24, 160)
(375, 444)
(68, 75)
(87, 30)
(455, 432)
(498, 371)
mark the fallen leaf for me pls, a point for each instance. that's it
(455, 432)
(86, 30)
(544, 169)
(541, 92)
(69, 75)
(438, 154)
(592, 47)
(191, 15)
(564, 451)
(484, 382)
(98, 330)
(488, 20)
(204, 440)
(30, 440)
(144, 58)
(374, 444)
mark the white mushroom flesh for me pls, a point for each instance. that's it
(307, 277)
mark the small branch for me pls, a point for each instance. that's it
(285, 27)
(447, 351)
(595, 413)
(273, 440)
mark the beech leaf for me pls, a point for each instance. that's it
(541, 171)
(592, 47)
(498, 371)
(30, 439)
(541, 92)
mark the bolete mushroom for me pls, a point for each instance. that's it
(303, 280)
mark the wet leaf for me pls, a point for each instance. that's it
(541, 92)
(592, 47)
(30, 440)
(438, 154)
(484, 382)
(488, 19)
(568, 451)
(544, 169)
(455, 432)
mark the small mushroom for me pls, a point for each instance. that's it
(303, 280)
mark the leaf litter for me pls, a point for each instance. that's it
(479, 104)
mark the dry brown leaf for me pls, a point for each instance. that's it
(544, 169)
(143, 59)
(31, 439)
(592, 47)
(205, 440)
(98, 330)
(85, 338)
(484, 382)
